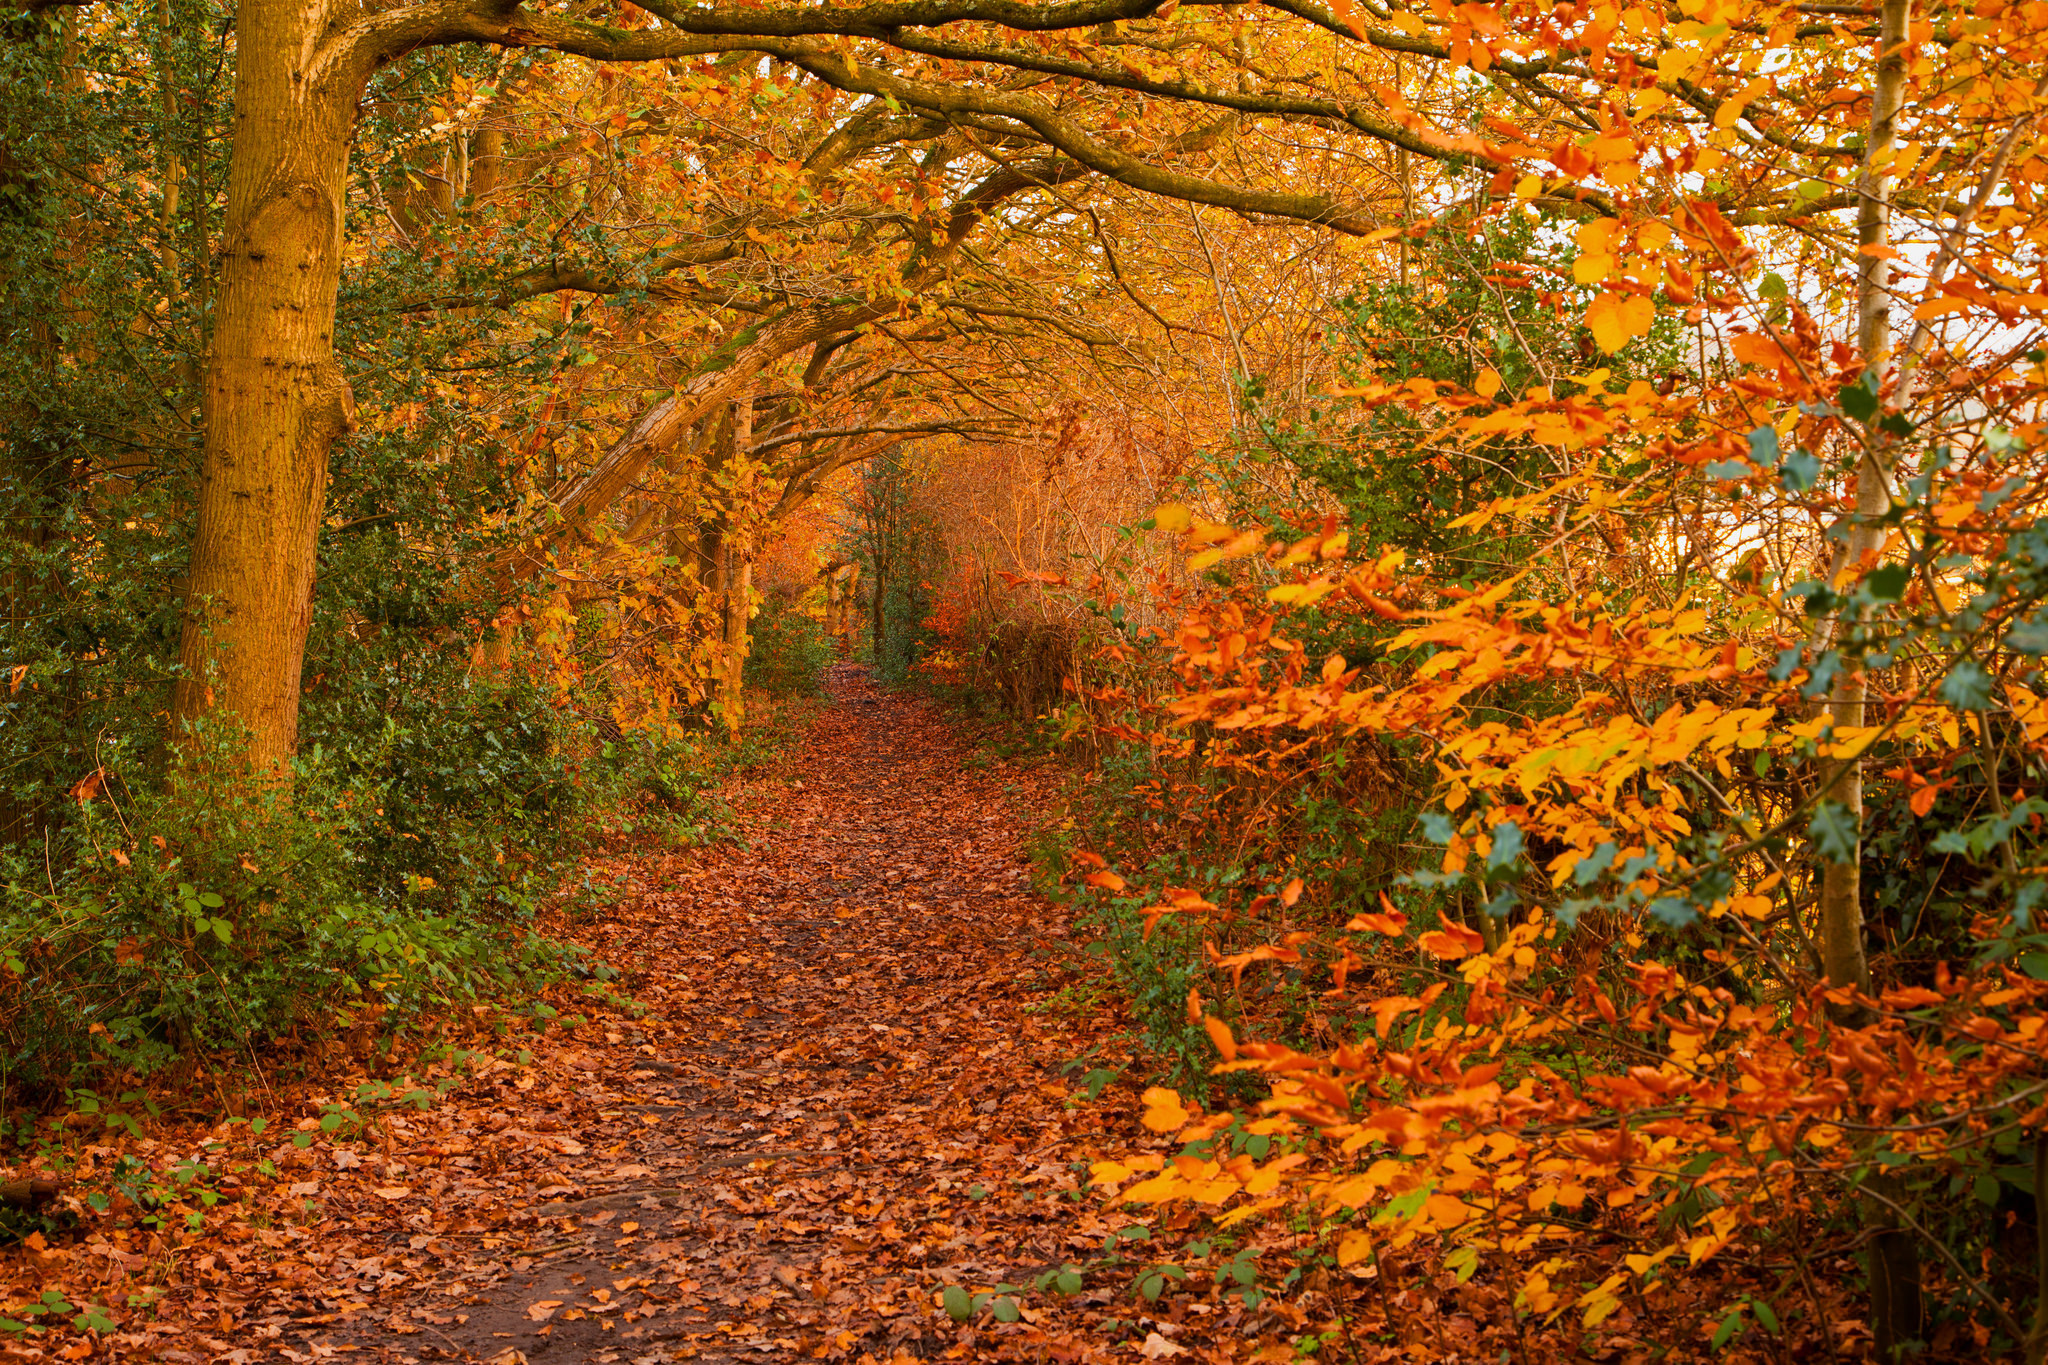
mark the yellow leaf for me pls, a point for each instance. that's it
(1171, 517)
(1597, 234)
(1487, 384)
(1445, 1211)
(1244, 543)
(1355, 1246)
(1164, 1112)
(1603, 318)
(1592, 267)
(1160, 1188)
(1248, 1211)
(1300, 594)
(1638, 315)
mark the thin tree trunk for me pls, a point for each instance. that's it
(2037, 1332)
(1894, 1258)
(739, 573)
(1841, 906)
(276, 400)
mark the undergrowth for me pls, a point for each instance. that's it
(161, 928)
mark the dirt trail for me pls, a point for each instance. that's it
(848, 1094)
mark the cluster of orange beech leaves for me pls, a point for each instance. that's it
(1562, 1102)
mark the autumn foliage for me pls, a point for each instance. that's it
(1523, 519)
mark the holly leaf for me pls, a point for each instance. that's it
(1834, 831)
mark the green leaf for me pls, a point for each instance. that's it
(1588, 869)
(1004, 1310)
(2029, 637)
(1067, 1282)
(1766, 1315)
(1730, 1325)
(1772, 286)
(1887, 582)
(1967, 686)
(1834, 829)
(958, 1306)
(1859, 400)
(1406, 1205)
(1507, 845)
(1672, 912)
(1763, 445)
(1801, 471)
(1986, 1190)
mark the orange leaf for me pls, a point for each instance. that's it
(1391, 922)
(1348, 15)
(1453, 941)
(1219, 1034)
(1108, 881)
(1291, 892)
(1164, 1112)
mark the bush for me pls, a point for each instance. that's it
(401, 873)
(789, 652)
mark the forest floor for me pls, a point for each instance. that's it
(838, 1076)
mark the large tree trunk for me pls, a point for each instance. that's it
(276, 400)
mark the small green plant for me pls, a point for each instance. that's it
(1001, 1302)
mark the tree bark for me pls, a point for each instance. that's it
(276, 401)
(1894, 1260)
(1841, 896)
(739, 574)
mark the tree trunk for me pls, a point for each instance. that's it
(739, 574)
(1894, 1257)
(275, 399)
(1841, 902)
(2037, 1331)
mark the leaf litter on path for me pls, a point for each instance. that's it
(839, 1091)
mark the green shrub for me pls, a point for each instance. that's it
(402, 872)
(790, 650)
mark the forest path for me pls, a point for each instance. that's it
(846, 1095)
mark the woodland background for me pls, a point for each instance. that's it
(1525, 515)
